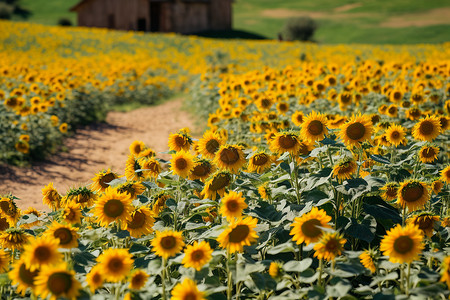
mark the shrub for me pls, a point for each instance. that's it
(299, 28)
(6, 11)
(64, 22)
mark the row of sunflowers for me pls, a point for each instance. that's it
(321, 175)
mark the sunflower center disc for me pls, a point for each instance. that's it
(391, 192)
(138, 220)
(181, 163)
(403, 244)
(315, 127)
(425, 223)
(395, 135)
(260, 159)
(287, 142)
(3, 224)
(412, 193)
(310, 229)
(219, 182)
(429, 152)
(64, 235)
(212, 146)
(106, 179)
(180, 141)
(115, 265)
(113, 208)
(197, 255)
(59, 283)
(190, 296)
(266, 103)
(239, 233)
(232, 205)
(200, 170)
(42, 253)
(332, 245)
(426, 128)
(26, 275)
(168, 242)
(229, 156)
(355, 131)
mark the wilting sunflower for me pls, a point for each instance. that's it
(141, 222)
(390, 191)
(9, 209)
(113, 206)
(115, 263)
(57, 281)
(259, 162)
(180, 141)
(314, 127)
(95, 278)
(182, 163)
(445, 271)
(413, 194)
(4, 223)
(66, 234)
(426, 222)
(345, 168)
(40, 252)
(131, 188)
(187, 290)
(138, 279)
(72, 214)
(101, 180)
(275, 269)
(147, 152)
(216, 184)
(210, 143)
(133, 170)
(427, 129)
(197, 255)
(167, 243)
(445, 174)
(402, 244)
(203, 168)
(159, 202)
(395, 134)
(22, 276)
(4, 261)
(14, 238)
(285, 142)
(356, 130)
(51, 197)
(232, 205)
(137, 147)
(239, 233)
(31, 211)
(368, 258)
(428, 154)
(307, 227)
(437, 186)
(230, 158)
(82, 196)
(329, 246)
(150, 167)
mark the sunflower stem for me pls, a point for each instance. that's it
(163, 279)
(404, 215)
(330, 157)
(320, 271)
(407, 279)
(402, 278)
(229, 279)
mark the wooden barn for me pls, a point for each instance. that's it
(182, 16)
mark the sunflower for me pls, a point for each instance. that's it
(285, 142)
(203, 168)
(138, 279)
(147, 152)
(4, 223)
(137, 147)
(40, 252)
(264, 191)
(31, 211)
(14, 238)
(131, 188)
(437, 186)
(445, 174)
(402, 244)
(95, 278)
(329, 246)
(216, 184)
(345, 168)
(390, 191)
(445, 271)
(66, 234)
(113, 206)
(314, 127)
(133, 170)
(141, 222)
(356, 130)
(187, 290)
(167, 243)
(182, 163)
(297, 118)
(395, 134)
(72, 214)
(116, 264)
(197, 255)
(9, 209)
(82, 196)
(428, 154)
(22, 276)
(210, 143)
(232, 205)
(102, 179)
(57, 281)
(239, 233)
(150, 167)
(230, 158)
(368, 258)
(51, 197)
(307, 227)
(427, 129)
(413, 194)
(180, 141)
(4, 261)
(426, 222)
(275, 269)
(259, 162)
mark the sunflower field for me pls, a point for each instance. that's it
(323, 172)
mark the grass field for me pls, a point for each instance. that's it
(345, 21)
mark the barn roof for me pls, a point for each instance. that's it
(82, 2)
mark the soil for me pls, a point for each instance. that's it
(94, 148)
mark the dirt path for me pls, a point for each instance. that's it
(93, 148)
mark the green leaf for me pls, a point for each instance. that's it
(138, 248)
(297, 266)
(380, 159)
(282, 248)
(340, 289)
